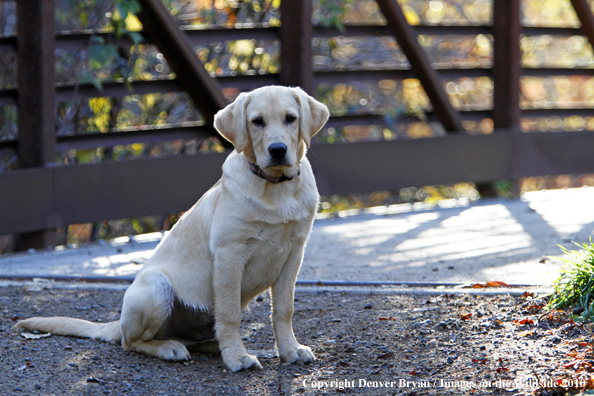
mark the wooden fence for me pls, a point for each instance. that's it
(36, 199)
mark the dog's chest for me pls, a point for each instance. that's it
(271, 247)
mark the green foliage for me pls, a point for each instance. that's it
(504, 189)
(575, 285)
(119, 19)
(333, 12)
(107, 58)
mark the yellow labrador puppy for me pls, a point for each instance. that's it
(245, 235)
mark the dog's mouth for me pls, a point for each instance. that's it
(276, 164)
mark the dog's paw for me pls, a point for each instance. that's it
(174, 351)
(301, 353)
(247, 362)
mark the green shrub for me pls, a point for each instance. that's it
(575, 286)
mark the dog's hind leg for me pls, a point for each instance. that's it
(147, 305)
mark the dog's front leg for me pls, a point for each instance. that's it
(283, 295)
(227, 301)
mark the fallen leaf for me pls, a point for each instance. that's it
(465, 316)
(414, 372)
(390, 318)
(488, 284)
(25, 366)
(570, 364)
(479, 361)
(500, 369)
(527, 294)
(31, 336)
(524, 321)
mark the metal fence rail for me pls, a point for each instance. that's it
(33, 200)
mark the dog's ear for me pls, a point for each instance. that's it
(231, 124)
(313, 115)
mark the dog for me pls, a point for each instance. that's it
(244, 236)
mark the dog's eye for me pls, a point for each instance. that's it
(258, 121)
(290, 118)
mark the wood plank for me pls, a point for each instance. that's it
(39, 198)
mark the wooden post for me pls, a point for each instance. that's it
(204, 90)
(36, 98)
(409, 42)
(507, 70)
(506, 64)
(295, 34)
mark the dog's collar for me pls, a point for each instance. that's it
(256, 170)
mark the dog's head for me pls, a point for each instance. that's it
(272, 125)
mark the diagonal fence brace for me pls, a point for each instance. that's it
(584, 14)
(408, 41)
(161, 28)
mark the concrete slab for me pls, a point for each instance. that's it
(494, 240)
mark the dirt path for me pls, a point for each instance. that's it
(378, 344)
(494, 240)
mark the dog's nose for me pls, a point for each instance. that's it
(277, 150)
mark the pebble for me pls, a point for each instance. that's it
(368, 306)
(442, 326)
(450, 360)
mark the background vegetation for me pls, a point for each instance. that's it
(101, 62)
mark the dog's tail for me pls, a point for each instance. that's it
(109, 332)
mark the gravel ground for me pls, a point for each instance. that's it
(366, 344)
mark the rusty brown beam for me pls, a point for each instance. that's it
(584, 13)
(162, 30)
(36, 99)
(409, 43)
(34, 199)
(506, 63)
(36, 93)
(295, 34)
